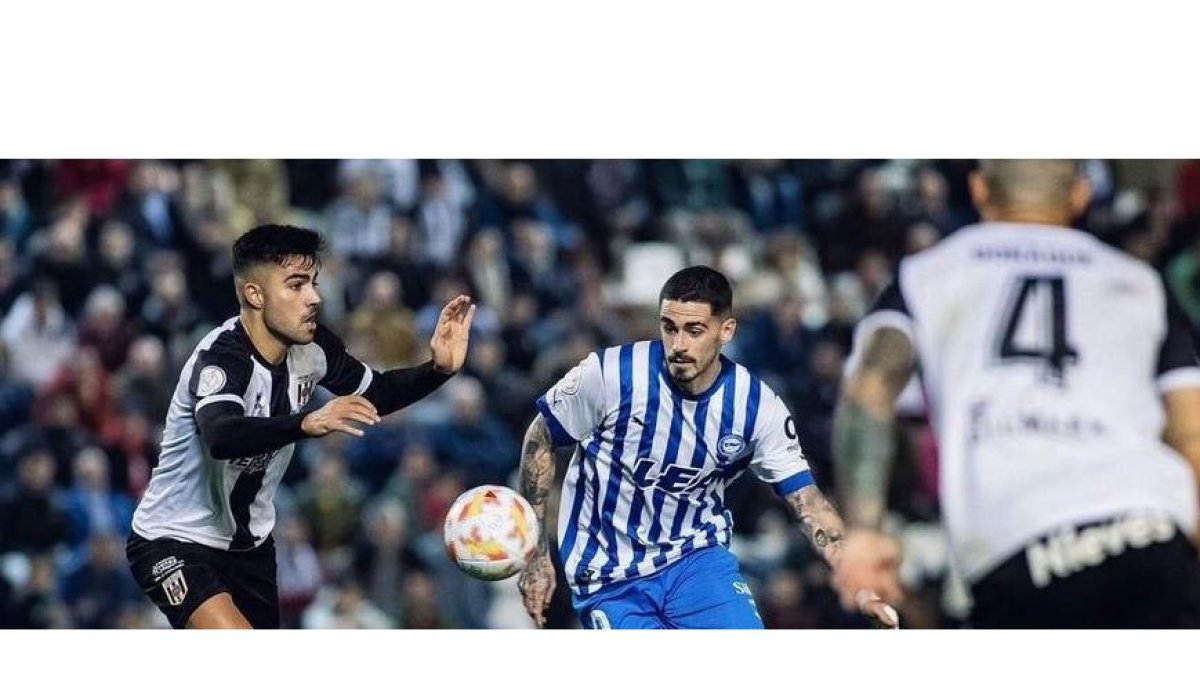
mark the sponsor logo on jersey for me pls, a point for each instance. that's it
(255, 464)
(599, 620)
(212, 380)
(175, 588)
(985, 426)
(164, 567)
(1073, 550)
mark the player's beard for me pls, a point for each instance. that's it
(297, 333)
(694, 370)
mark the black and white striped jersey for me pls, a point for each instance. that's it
(229, 503)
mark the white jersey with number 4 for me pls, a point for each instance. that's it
(1044, 355)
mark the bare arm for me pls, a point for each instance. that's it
(537, 580)
(537, 473)
(819, 522)
(1182, 431)
(864, 426)
(825, 530)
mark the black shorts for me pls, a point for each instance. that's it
(1127, 572)
(179, 576)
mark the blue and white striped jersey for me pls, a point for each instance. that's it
(647, 480)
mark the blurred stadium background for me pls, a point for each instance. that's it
(111, 270)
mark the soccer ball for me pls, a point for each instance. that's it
(491, 532)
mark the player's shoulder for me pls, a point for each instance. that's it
(954, 245)
(632, 353)
(224, 343)
(745, 379)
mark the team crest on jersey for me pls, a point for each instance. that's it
(212, 380)
(175, 588)
(304, 390)
(730, 446)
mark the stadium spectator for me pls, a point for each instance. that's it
(474, 438)
(104, 329)
(381, 330)
(32, 519)
(300, 575)
(99, 586)
(93, 508)
(330, 504)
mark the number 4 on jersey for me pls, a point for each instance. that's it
(1053, 347)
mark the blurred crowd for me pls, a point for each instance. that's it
(112, 270)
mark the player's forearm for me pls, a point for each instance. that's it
(1182, 431)
(819, 521)
(229, 434)
(395, 389)
(537, 473)
(864, 440)
(864, 444)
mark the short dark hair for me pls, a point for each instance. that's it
(273, 243)
(699, 284)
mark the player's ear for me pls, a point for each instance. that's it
(980, 195)
(1081, 196)
(728, 328)
(252, 295)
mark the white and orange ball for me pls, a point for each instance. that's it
(491, 532)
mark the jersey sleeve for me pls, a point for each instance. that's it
(344, 374)
(574, 406)
(890, 309)
(220, 375)
(1177, 367)
(778, 458)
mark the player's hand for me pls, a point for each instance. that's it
(867, 577)
(450, 336)
(881, 614)
(537, 586)
(339, 415)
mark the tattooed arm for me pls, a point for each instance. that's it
(537, 473)
(824, 529)
(537, 478)
(819, 521)
(864, 426)
(863, 446)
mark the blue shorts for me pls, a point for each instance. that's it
(704, 589)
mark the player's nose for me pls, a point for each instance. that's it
(679, 345)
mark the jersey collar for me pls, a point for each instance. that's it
(726, 368)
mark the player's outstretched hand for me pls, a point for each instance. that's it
(537, 586)
(881, 614)
(450, 336)
(338, 415)
(867, 577)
